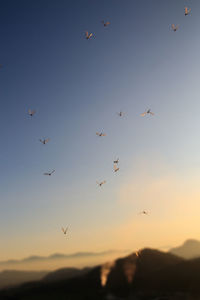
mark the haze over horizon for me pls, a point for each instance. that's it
(77, 86)
(188, 250)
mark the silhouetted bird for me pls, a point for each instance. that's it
(144, 212)
(187, 11)
(45, 141)
(88, 35)
(49, 173)
(100, 134)
(31, 112)
(147, 112)
(120, 114)
(105, 24)
(65, 230)
(116, 168)
(174, 27)
(101, 183)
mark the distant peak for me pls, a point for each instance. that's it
(189, 249)
(191, 242)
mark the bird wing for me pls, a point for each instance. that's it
(86, 33)
(47, 140)
(143, 114)
(97, 182)
(103, 134)
(107, 23)
(90, 35)
(97, 133)
(41, 140)
(29, 111)
(46, 173)
(52, 171)
(173, 26)
(151, 113)
(186, 10)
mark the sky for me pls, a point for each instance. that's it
(77, 86)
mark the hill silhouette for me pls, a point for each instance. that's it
(10, 278)
(147, 276)
(60, 260)
(65, 273)
(190, 249)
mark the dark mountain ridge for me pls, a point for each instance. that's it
(148, 275)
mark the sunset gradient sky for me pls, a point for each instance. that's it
(77, 87)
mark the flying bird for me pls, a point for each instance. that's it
(116, 161)
(147, 112)
(120, 114)
(64, 230)
(187, 11)
(174, 27)
(44, 141)
(49, 173)
(116, 168)
(31, 112)
(101, 183)
(144, 212)
(88, 35)
(100, 134)
(105, 24)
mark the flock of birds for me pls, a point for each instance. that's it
(44, 141)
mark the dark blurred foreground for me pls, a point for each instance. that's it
(151, 275)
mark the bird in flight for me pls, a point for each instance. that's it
(64, 230)
(49, 173)
(31, 112)
(144, 212)
(187, 11)
(148, 111)
(44, 141)
(105, 24)
(116, 168)
(116, 161)
(174, 27)
(100, 134)
(120, 114)
(88, 35)
(101, 183)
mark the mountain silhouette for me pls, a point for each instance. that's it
(10, 278)
(61, 255)
(190, 249)
(65, 273)
(147, 276)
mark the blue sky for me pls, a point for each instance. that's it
(77, 87)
